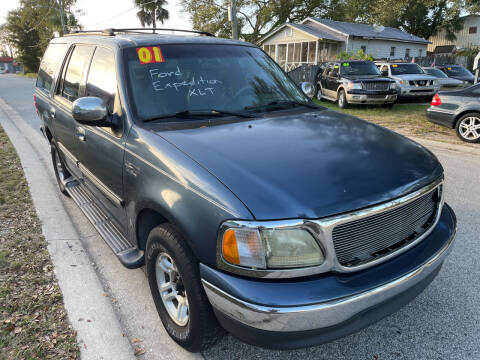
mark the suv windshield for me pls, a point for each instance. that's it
(457, 71)
(403, 69)
(436, 72)
(359, 68)
(168, 79)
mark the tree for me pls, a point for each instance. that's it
(31, 26)
(151, 11)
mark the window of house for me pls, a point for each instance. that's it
(407, 52)
(364, 49)
(472, 30)
(311, 51)
(420, 52)
(290, 53)
(296, 52)
(73, 75)
(50, 62)
(282, 54)
(304, 52)
(392, 51)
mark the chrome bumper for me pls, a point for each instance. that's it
(365, 99)
(322, 315)
(415, 91)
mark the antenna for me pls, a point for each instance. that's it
(378, 28)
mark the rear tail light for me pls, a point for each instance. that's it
(436, 101)
(35, 102)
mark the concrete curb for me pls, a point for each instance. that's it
(100, 334)
(473, 149)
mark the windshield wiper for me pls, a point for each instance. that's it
(276, 103)
(191, 114)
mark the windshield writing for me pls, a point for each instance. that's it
(403, 69)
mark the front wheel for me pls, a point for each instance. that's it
(179, 297)
(342, 99)
(468, 127)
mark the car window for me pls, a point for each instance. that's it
(358, 68)
(406, 68)
(74, 72)
(102, 78)
(436, 72)
(51, 60)
(457, 71)
(170, 78)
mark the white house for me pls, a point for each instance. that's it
(315, 40)
(468, 37)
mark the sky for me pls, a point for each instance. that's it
(102, 14)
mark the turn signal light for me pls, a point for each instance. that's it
(230, 248)
(436, 100)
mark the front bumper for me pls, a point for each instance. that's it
(305, 312)
(416, 91)
(385, 98)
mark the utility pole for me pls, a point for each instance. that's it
(233, 19)
(62, 20)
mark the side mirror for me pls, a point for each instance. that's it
(90, 110)
(308, 89)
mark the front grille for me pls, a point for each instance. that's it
(376, 85)
(420, 82)
(373, 96)
(361, 241)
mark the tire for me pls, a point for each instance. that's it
(318, 92)
(61, 172)
(468, 127)
(342, 99)
(195, 328)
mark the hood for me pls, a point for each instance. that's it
(414, 77)
(308, 165)
(464, 78)
(450, 81)
(366, 77)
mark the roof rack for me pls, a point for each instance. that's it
(113, 32)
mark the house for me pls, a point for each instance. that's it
(468, 37)
(315, 40)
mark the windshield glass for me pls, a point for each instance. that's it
(408, 68)
(167, 79)
(359, 68)
(457, 71)
(436, 72)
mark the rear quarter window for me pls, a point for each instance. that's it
(50, 63)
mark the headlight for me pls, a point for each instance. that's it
(435, 82)
(393, 86)
(270, 248)
(402, 82)
(355, 86)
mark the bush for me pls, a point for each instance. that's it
(359, 55)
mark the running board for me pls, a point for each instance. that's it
(128, 255)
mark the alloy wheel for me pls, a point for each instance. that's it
(59, 167)
(171, 289)
(469, 128)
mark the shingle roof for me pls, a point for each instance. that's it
(318, 32)
(444, 49)
(366, 30)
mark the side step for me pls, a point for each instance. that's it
(129, 256)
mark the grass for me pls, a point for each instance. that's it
(33, 321)
(29, 75)
(405, 118)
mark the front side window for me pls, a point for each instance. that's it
(359, 68)
(436, 72)
(74, 73)
(102, 78)
(49, 65)
(406, 68)
(200, 77)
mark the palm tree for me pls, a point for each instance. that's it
(151, 11)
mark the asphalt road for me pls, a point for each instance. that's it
(442, 323)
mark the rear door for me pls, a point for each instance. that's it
(69, 89)
(101, 149)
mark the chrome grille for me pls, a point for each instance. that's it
(376, 85)
(367, 239)
(420, 82)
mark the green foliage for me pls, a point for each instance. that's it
(359, 55)
(31, 26)
(151, 11)
(471, 51)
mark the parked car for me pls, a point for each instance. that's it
(286, 223)
(412, 81)
(355, 82)
(458, 72)
(458, 110)
(444, 81)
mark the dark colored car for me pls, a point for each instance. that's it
(444, 81)
(458, 110)
(355, 82)
(458, 72)
(286, 223)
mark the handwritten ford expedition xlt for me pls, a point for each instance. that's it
(252, 208)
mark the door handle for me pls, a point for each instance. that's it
(53, 113)
(80, 132)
